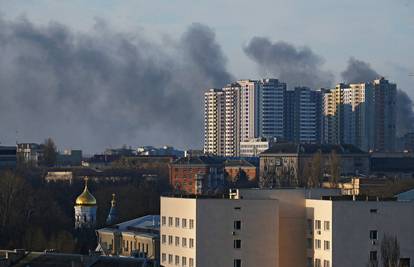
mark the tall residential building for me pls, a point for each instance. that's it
(361, 114)
(232, 119)
(249, 110)
(303, 115)
(271, 108)
(214, 122)
(385, 94)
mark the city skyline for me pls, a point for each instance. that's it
(109, 103)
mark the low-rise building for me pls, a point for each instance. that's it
(197, 175)
(393, 165)
(253, 147)
(69, 158)
(294, 161)
(236, 168)
(137, 237)
(8, 157)
(30, 153)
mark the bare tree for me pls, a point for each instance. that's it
(390, 251)
(315, 170)
(49, 152)
(334, 168)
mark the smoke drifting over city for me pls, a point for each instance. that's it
(296, 66)
(106, 88)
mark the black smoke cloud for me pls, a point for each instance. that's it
(296, 66)
(105, 88)
(359, 71)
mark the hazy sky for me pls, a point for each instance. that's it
(380, 32)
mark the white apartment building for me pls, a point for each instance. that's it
(249, 97)
(254, 146)
(214, 122)
(197, 232)
(283, 227)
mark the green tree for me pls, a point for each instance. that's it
(49, 153)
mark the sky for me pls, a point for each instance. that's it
(379, 32)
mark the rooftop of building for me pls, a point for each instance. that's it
(147, 224)
(199, 160)
(293, 148)
(54, 259)
(238, 163)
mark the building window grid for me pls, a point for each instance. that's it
(191, 243)
(177, 241)
(177, 222)
(184, 242)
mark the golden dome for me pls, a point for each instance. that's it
(86, 198)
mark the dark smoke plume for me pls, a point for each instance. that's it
(296, 66)
(359, 71)
(101, 88)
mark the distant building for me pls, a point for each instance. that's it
(292, 161)
(162, 151)
(303, 115)
(253, 147)
(392, 165)
(55, 176)
(139, 237)
(361, 114)
(197, 175)
(8, 157)
(235, 168)
(30, 153)
(69, 158)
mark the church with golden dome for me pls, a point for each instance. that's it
(85, 209)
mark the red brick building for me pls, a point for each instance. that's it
(234, 167)
(197, 175)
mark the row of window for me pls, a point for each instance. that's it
(176, 260)
(318, 244)
(177, 241)
(177, 222)
(317, 224)
(130, 246)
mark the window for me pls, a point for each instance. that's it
(309, 243)
(184, 223)
(191, 245)
(170, 221)
(310, 228)
(237, 243)
(373, 235)
(326, 225)
(318, 263)
(170, 258)
(237, 225)
(170, 240)
(177, 222)
(373, 256)
(177, 241)
(373, 210)
(317, 225)
(237, 208)
(191, 223)
(317, 244)
(163, 220)
(237, 263)
(326, 263)
(177, 260)
(326, 245)
(163, 257)
(184, 242)
(183, 261)
(163, 239)
(309, 262)
(191, 262)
